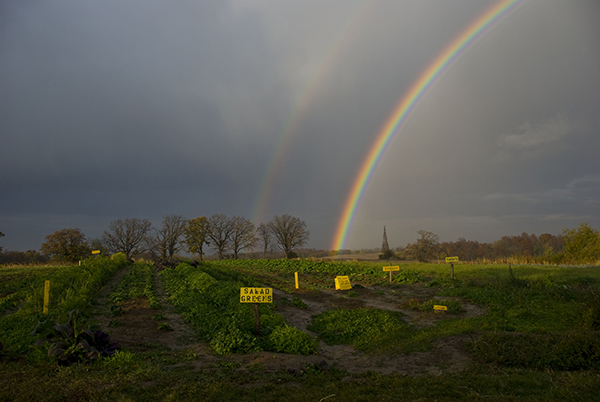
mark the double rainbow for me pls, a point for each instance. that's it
(457, 47)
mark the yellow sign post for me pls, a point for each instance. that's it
(342, 283)
(296, 278)
(256, 295)
(451, 260)
(440, 308)
(46, 296)
(390, 269)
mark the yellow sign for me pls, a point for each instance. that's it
(256, 295)
(46, 296)
(95, 251)
(394, 268)
(440, 308)
(451, 259)
(342, 283)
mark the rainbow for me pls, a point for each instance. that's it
(301, 103)
(456, 48)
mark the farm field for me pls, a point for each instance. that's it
(518, 333)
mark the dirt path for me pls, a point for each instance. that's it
(140, 332)
(138, 327)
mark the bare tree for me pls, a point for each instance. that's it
(168, 237)
(243, 235)
(290, 232)
(264, 234)
(66, 244)
(127, 236)
(1, 235)
(196, 235)
(220, 228)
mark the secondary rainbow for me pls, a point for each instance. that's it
(457, 47)
(302, 103)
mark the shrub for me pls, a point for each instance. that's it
(288, 339)
(233, 340)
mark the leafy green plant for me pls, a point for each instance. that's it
(296, 301)
(233, 340)
(288, 339)
(362, 328)
(71, 343)
(165, 326)
(408, 277)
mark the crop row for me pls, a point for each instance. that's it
(71, 288)
(208, 299)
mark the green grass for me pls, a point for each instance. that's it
(71, 287)
(171, 377)
(537, 341)
(363, 328)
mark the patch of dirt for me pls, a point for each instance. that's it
(139, 332)
(447, 355)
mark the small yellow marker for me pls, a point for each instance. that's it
(46, 296)
(440, 308)
(342, 283)
(296, 278)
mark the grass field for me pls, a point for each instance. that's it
(524, 333)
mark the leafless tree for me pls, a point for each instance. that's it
(264, 234)
(243, 235)
(168, 237)
(290, 232)
(220, 228)
(127, 236)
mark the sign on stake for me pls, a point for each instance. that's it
(390, 269)
(256, 295)
(451, 260)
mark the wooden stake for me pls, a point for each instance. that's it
(452, 270)
(256, 320)
(46, 296)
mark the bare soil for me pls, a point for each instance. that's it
(140, 332)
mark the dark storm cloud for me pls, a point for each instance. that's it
(144, 108)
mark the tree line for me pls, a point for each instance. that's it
(578, 245)
(227, 236)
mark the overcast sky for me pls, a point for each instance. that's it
(143, 108)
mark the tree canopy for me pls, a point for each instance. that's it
(66, 245)
(582, 243)
(196, 235)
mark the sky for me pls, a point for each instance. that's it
(256, 108)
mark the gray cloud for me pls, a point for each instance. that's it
(145, 108)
